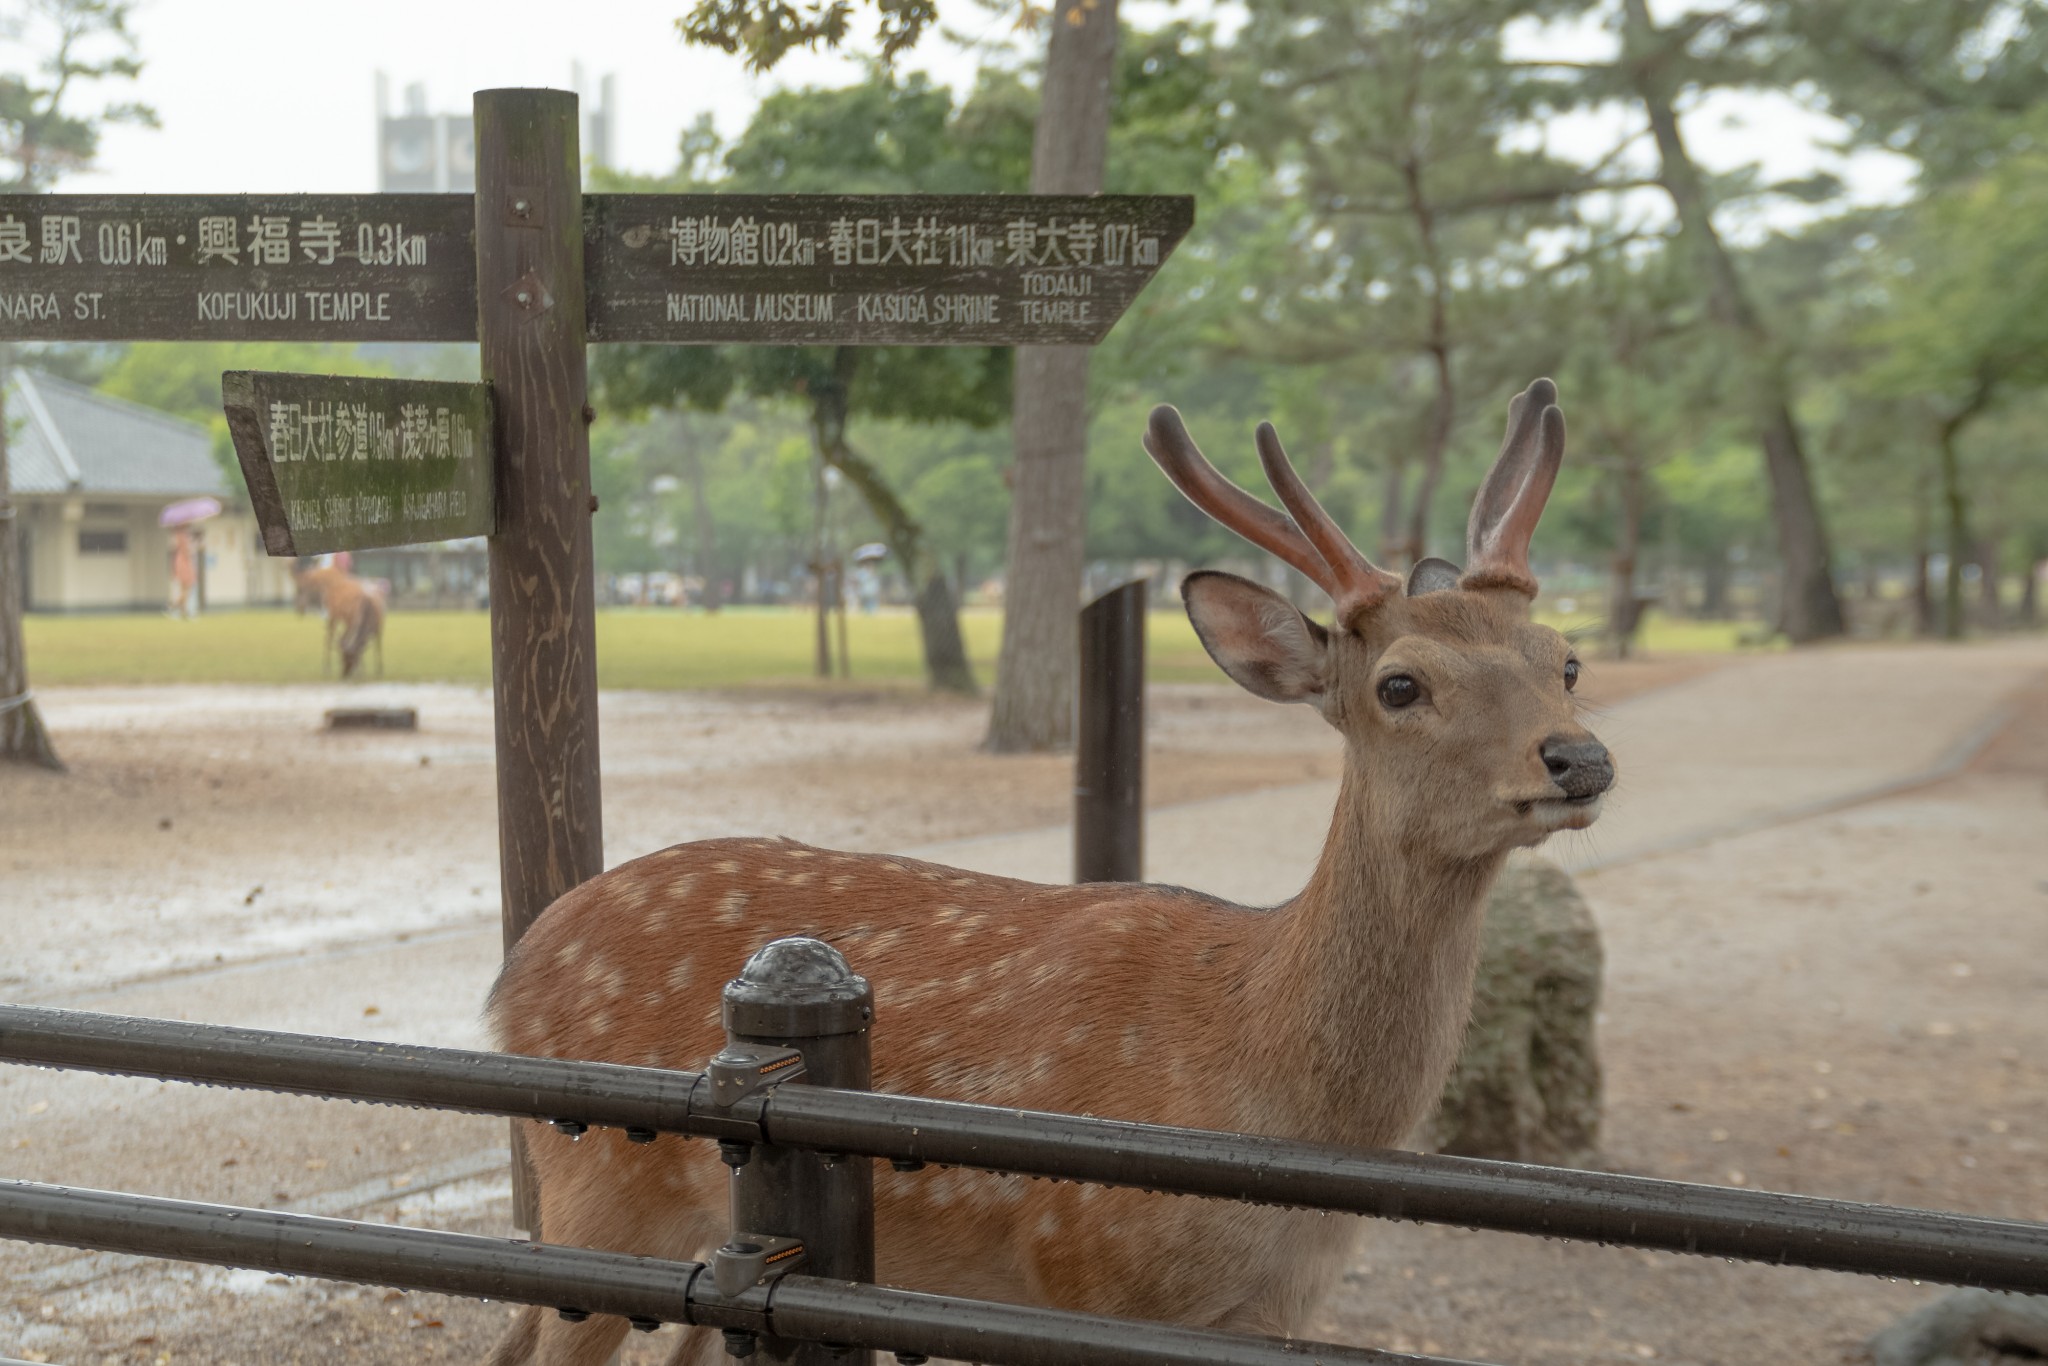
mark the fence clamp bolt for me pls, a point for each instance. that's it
(747, 1259)
(741, 1069)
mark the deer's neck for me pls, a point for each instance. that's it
(1366, 978)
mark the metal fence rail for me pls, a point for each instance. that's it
(805, 1308)
(1673, 1216)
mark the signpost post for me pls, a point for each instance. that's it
(533, 269)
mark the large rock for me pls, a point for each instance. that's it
(1527, 1084)
(1967, 1328)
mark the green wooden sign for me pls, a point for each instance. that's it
(340, 463)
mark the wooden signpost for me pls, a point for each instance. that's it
(532, 269)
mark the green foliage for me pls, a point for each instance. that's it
(1941, 80)
(884, 135)
(766, 31)
(1968, 305)
(85, 42)
(183, 378)
(925, 418)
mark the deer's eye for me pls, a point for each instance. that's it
(1571, 674)
(1397, 691)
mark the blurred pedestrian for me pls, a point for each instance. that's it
(184, 575)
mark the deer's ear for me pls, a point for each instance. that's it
(1257, 636)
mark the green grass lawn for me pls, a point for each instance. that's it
(636, 648)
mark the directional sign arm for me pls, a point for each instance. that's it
(865, 270)
(341, 463)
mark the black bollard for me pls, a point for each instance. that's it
(801, 994)
(1109, 739)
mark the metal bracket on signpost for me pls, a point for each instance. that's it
(751, 1258)
(740, 1069)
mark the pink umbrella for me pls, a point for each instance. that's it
(186, 511)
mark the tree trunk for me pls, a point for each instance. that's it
(1989, 608)
(945, 649)
(1809, 608)
(1714, 586)
(1623, 611)
(1395, 481)
(23, 738)
(821, 575)
(707, 532)
(1956, 507)
(1439, 347)
(1432, 454)
(1923, 588)
(2030, 592)
(839, 610)
(1037, 670)
(946, 668)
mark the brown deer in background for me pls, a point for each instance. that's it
(354, 609)
(1332, 1018)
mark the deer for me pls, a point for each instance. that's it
(354, 611)
(1333, 1017)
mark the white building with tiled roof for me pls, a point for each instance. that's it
(90, 474)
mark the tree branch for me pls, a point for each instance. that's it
(1507, 198)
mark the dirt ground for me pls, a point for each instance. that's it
(242, 830)
(1849, 1005)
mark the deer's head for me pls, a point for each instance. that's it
(1456, 708)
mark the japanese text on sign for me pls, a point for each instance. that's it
(744, 240)
(317, 429)
(264, 240)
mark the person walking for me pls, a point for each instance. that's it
(184, 575)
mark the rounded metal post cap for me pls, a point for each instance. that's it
(797, 988)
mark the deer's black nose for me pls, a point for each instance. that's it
(1582, 768)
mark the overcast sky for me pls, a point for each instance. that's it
(279, 95)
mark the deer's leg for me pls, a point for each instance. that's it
(618, 1198)
(542, 1337)
(699, 1346)
(516, 1347)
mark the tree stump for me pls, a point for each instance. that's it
(1527, 1084)
(1967, 1328)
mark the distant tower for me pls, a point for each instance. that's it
(597, 140)
(422, 153)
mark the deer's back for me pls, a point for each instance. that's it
(987, 989)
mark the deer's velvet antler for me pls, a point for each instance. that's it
(1309, 540)
(1510, 502)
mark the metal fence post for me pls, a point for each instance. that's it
(1109, 739)
(800, 993)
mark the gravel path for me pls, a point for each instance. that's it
(1845, 1003)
